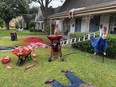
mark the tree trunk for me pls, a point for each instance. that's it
(45, 25)
(44, 13)
(7, 25)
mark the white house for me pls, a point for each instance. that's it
(86, 16)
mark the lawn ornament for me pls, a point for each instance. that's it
(94, 42)
(71, 12)
(7, 47)
(6, 60)
(29, 66)
(32, 40)
(56, 27)
(34, 57)
(55, 46)
(8, 66)
(23, 53)
(13, 36)
(38, 44)
(55, 43)
(105, 30)
(100, 43)
(35, 42)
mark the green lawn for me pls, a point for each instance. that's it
(84, 65)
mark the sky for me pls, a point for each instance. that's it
(54, 3)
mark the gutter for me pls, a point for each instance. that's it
(90, 10)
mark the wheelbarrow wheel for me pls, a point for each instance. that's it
(49, 59)
(20, 61)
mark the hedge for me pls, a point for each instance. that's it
(87, 47)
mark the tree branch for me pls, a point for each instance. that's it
(39, 2)
(42, 2)
(49, 1)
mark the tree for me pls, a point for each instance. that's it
(11, 8)
(1, 22)
(44, 8)
(33, 10)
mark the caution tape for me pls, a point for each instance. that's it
(79, 38)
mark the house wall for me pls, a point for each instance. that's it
(112, 23)
(104, 21)
(72, 26)
(60, 26)
(66, 26)
(40, 25)
(37, 25)
(85, 25)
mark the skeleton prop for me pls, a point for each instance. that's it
(71, 12)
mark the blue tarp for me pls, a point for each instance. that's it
(7, 47)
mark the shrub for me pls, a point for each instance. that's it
(32, 29)
(32, 24)
(87, 47)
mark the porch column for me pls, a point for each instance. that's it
(50, 26)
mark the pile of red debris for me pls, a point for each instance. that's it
(33, 40)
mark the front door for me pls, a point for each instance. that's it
(78, 25)
(94, 24)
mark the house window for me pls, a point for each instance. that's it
(42, 25)
(113, 20)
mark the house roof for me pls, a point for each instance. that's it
(90, 6)
(40, 18)
(56, 10)
(69, 4)
(52, 11)
(28, 17)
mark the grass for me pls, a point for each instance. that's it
(86, 66)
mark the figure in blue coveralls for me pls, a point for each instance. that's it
(74, 80)
(99, 43)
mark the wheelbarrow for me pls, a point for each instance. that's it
(23, 53)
